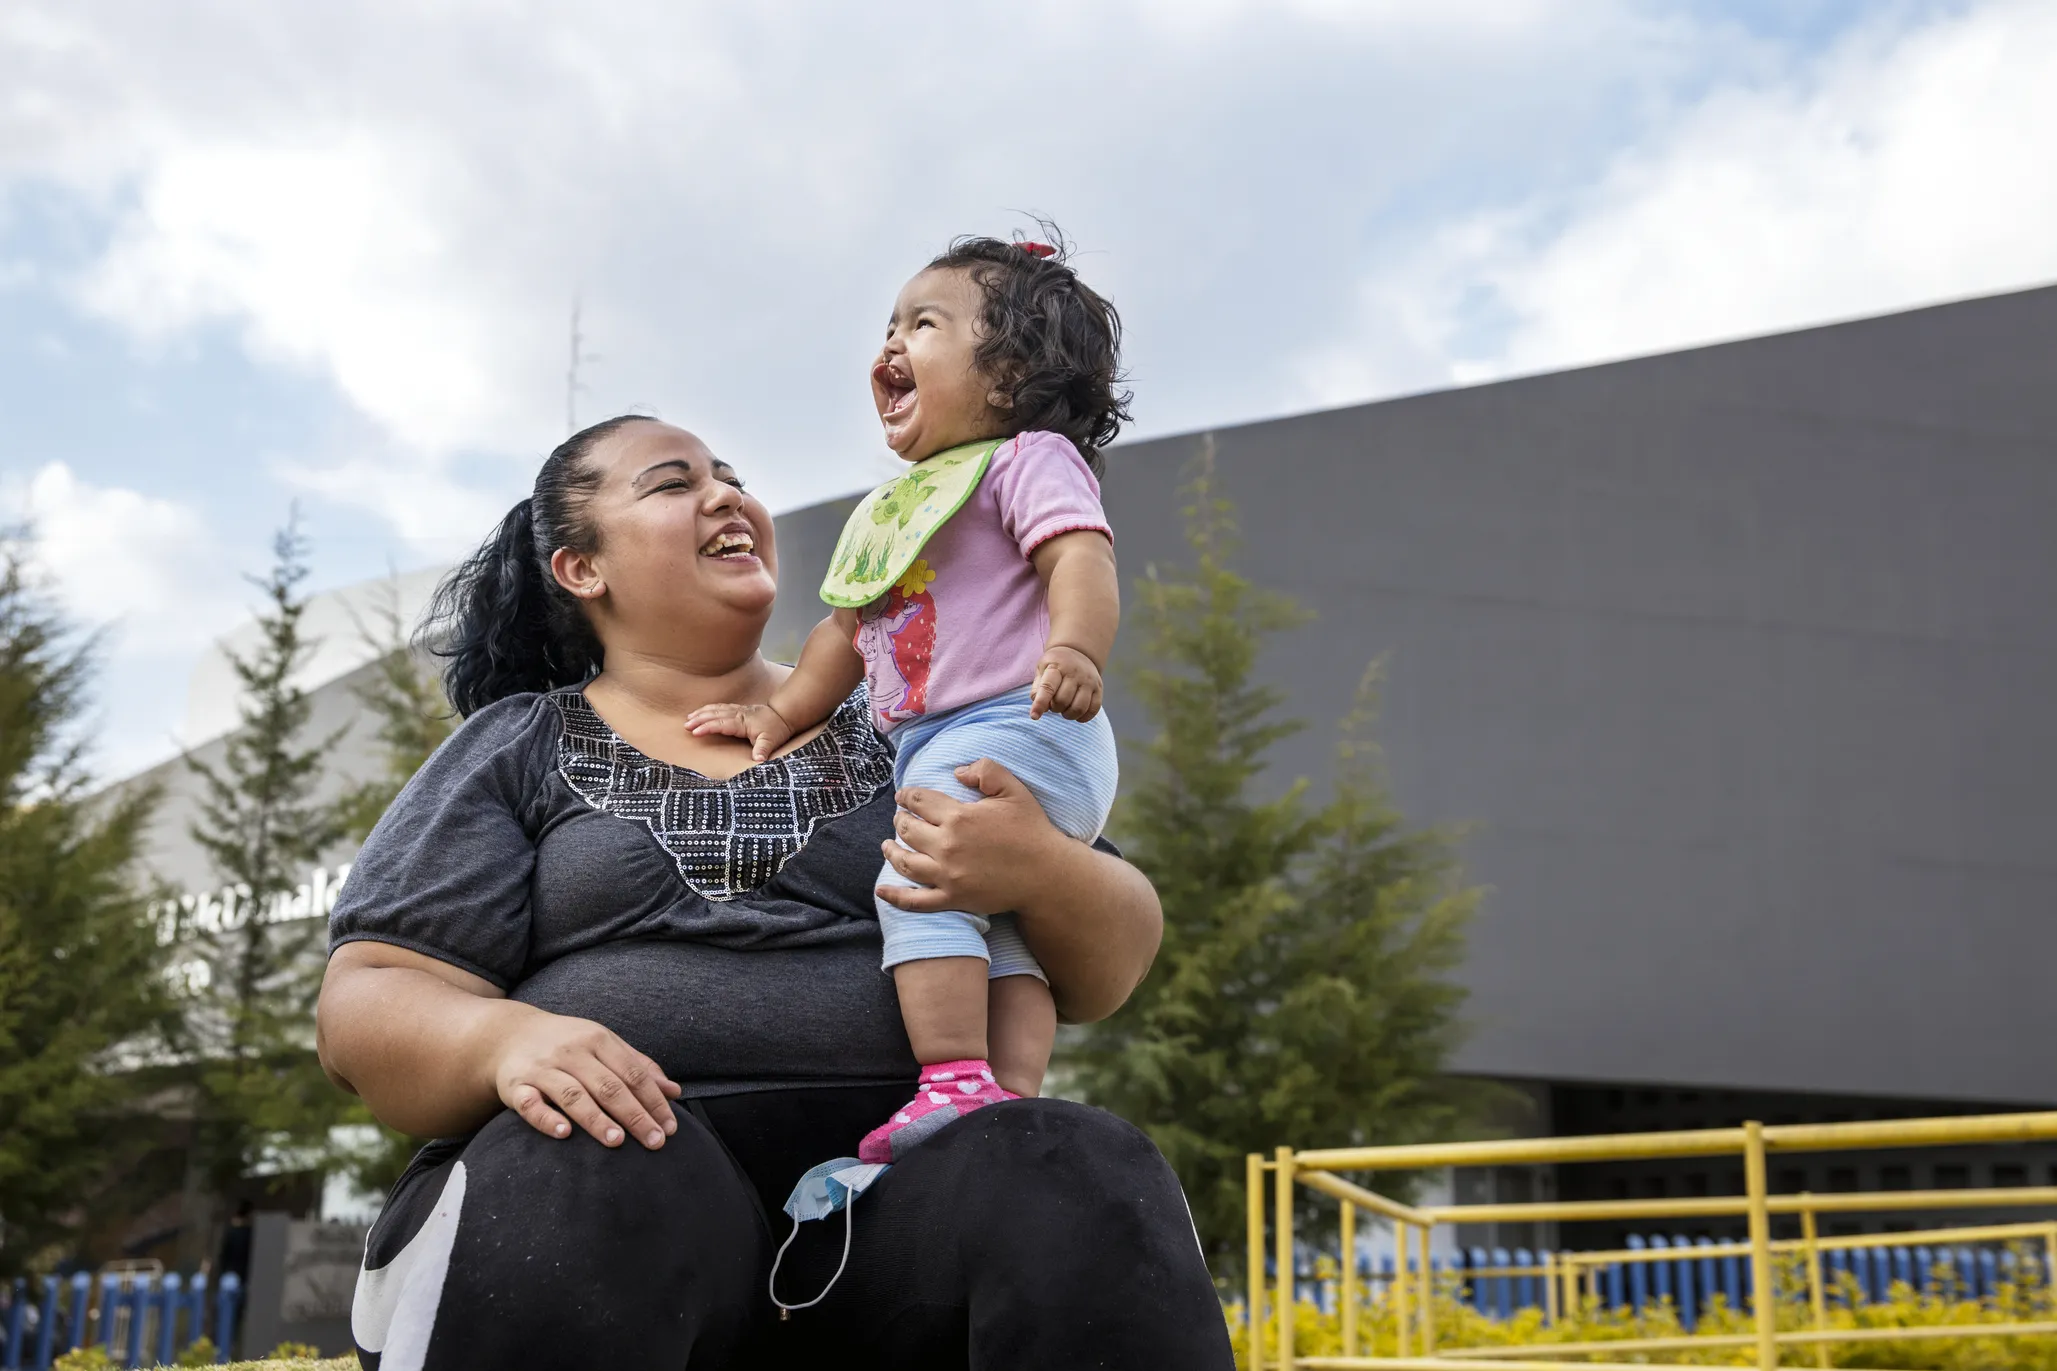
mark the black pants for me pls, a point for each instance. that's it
(1029, 1234)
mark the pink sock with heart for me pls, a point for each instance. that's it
(949, 1091)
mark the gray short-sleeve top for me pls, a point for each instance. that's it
(726, 928)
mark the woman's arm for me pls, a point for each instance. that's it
(436, 1051)
(1092, 920)
(1094, 923)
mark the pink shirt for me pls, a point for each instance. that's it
(969, 619)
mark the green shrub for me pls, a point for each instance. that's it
(90, 1358)
(1457, 1325)
(287, 1356)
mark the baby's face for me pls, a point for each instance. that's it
(930, 396)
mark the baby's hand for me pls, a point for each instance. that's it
(763, 727)
(1068, 682)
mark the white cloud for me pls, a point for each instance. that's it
(1906, 166)
(1295, 202)
(144, 567)
(401, 199)
(426, 506)
(147, 574)
(328, 263)
(1460, 19)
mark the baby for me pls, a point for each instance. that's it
(976, 596)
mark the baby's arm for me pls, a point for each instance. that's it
(828, 670)
(1079, 581)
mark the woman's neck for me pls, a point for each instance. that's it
(674, 687)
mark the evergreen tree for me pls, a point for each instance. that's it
(250, 1025)
(1302, 993)
(79, 957)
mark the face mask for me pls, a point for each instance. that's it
(821, 1192)
(831, 1186)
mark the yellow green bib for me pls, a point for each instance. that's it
(890, 526)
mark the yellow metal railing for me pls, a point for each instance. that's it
(1411, 1288)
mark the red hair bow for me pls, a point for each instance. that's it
(1037, 249)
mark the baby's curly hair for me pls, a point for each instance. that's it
(1050, 342)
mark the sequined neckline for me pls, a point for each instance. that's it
(727, 837)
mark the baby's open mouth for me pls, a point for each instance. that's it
(896, 390)
(729, 543)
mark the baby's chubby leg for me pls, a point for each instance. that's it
(943, 1003)
(940, 969)
(957, 1009)
(1021, 1017)
(998, 1037)
(1021, 1027)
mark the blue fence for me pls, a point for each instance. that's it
(1691, 1281)
(141, 1320)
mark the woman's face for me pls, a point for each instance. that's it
(680, 545)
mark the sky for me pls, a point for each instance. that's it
(257, 258)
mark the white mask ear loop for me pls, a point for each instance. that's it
(772, 1286)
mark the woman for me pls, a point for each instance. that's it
(632, 980)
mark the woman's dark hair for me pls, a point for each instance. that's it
(1050, 342)
(500, 621)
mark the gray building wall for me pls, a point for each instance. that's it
(1741, 663)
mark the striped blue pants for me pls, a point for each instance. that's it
(1069, 767)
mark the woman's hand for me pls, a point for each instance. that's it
(981, 858)
(436, 1051)
(610, 1089)
(1092, 920)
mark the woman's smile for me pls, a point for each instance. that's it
(735, 543)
